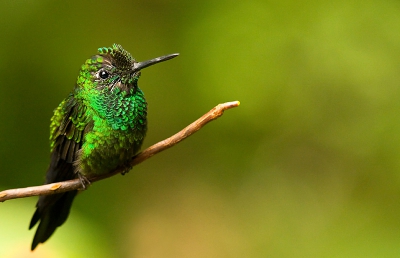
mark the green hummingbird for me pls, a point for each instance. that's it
(98, 127)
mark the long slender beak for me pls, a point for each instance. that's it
(140, 65)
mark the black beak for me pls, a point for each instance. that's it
(140, 65)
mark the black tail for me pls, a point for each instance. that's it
(52, 211)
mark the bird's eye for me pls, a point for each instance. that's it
(103, 74)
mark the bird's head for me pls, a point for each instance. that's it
(112, 68)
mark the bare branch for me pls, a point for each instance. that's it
(76, 184)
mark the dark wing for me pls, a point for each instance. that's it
(68, 126)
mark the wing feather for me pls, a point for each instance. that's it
(68, 127)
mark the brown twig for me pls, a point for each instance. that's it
(76, 184)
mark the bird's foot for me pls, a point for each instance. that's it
(126, 168)
(84, 181)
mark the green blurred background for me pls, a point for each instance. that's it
(307, 166)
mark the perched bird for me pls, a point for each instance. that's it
(98, 127)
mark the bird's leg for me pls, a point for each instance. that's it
(126, 167)
(84, 181)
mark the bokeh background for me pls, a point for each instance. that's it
(307, 166)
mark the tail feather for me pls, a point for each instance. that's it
(52, 211)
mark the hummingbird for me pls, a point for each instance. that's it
(100, 125)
